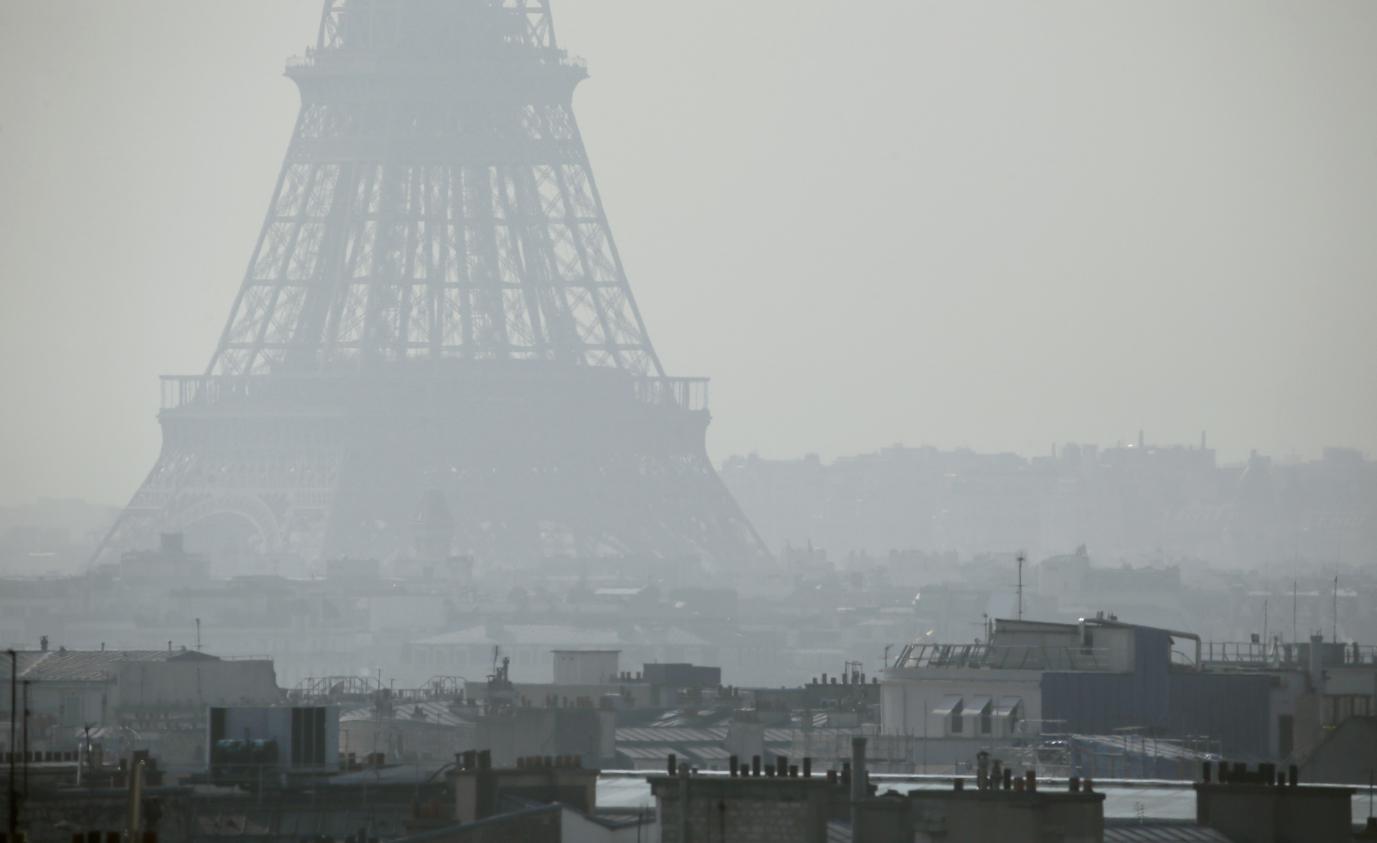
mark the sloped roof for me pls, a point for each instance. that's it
(555, 636)
(88, 665)
(434, 712)
(793, 733)
(663, 735)
(648, 753)
(1160, 831)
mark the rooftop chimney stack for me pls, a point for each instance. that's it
(1316, 661)
(859, 779)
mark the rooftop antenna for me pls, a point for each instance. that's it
(1021, 559)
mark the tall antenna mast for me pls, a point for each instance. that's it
(1021, 560)
(1335, 636)
(1294, 599)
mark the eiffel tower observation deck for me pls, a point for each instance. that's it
(435, 310)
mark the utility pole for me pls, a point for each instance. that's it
(26, 741)
(1021, 559)
(14, 715)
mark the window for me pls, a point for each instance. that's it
(71, 710)
(1286, 735)
(308, 736)
(949, 711)
(1009, 710)
(1339, 708)
(978, 715)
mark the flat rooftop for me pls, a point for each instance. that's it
(1124, 798)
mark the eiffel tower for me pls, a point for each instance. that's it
(435, 310)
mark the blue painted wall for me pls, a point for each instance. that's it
(1231, 708)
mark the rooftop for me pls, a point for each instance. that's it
(1125, 799)
(88, 665)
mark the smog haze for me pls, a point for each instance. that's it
(999, 226)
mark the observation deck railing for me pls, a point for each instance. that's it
(181, 391)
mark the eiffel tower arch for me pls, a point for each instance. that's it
(435, 310)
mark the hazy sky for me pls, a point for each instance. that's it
(998, 225)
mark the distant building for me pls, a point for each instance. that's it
(135, 699)
(1265, 805)
(586, 667)
(426, 731)
(258, 744)
(78, 687)
(169, 563)
(1096, 677)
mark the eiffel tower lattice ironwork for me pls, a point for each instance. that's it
(435, 309)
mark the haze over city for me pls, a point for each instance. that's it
(586, 421)
(995, 227)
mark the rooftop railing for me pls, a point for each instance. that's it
(1278, 653)
(1001, 657)
(360, 688)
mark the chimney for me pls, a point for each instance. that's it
(1316, 664)
(859, 779)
